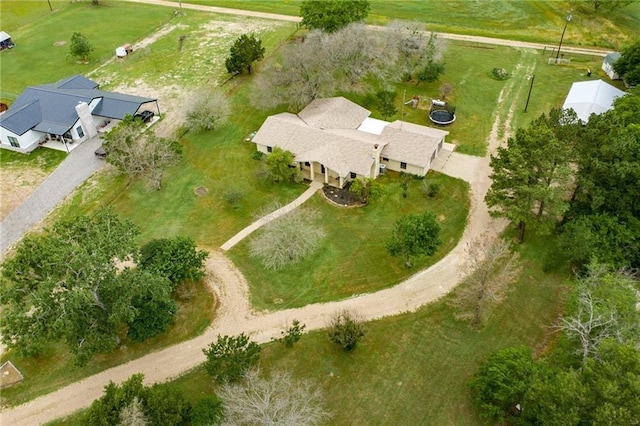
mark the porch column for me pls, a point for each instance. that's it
(341, 182)
(311, 174)
(326, 175)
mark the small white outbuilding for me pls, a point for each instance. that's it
(607, 65)
(591, 97)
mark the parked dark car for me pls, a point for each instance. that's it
(100, 153)
(145, 116)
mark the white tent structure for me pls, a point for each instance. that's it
(591, 97)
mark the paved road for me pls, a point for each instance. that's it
(448, 36)
(74, 170)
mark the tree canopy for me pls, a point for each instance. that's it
(229, 358)
(332, 15)
(280, 166)
(628, 65)
(246, 50)
(65, 285)
(415, 234)
(209, 111)
(604, 218)
(140, 153)
(530, 174)
(80, 47)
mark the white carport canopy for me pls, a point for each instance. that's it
(591, 97)
(4, 36)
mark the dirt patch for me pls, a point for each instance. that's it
(200, 191)
(17, 184)
(59, 43)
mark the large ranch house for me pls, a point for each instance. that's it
(334, 140)
(62, 115)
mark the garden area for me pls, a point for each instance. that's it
(219, 186)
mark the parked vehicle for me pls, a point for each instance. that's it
(145, 116)
(100, 153)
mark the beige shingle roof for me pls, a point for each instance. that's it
(344, 149)
(334, 113)
(411, 143)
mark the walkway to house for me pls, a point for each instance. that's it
(313, 187)
(73, 171)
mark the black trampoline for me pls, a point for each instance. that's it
(442, 117)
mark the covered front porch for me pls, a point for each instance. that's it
(317, 172)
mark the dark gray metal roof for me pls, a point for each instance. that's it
(114, 105)
(52, 109)
(20, 119)
(76, 82)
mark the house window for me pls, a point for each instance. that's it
(321, 168)
(353, 175)
(308, 164)
(403, 165)
(80, 131)
(385, 159)
(14, 141)
(269, 149)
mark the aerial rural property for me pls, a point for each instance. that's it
(319, 212)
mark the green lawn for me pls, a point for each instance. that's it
(527, 20)
(55, 367)
(353, 258)
(35, 59)
(45, 159)
(413, 368)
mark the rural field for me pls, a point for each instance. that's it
(411, 368)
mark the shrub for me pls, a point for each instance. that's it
(346, 330)
(431, 189)
(207, 411)
(500, 73)
(293, 334)
(257, 155)
(232, 197)
(230, 357)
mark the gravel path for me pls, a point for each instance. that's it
(74, 170)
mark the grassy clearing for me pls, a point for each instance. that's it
(512, 19)
(353, 258)
(44, 159)
(413, 368)
(35, 59)
(55, 367)
(200, 62)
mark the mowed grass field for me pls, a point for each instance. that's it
(353, 258)
(526, 20)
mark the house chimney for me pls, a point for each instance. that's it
(86, 120)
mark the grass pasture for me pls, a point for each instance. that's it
(353, 258)
(526, 20)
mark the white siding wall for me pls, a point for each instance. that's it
(28, 141)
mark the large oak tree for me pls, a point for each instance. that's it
(65, 285)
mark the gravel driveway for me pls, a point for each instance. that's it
(79, 165)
